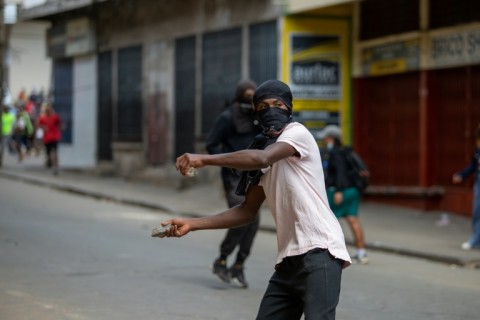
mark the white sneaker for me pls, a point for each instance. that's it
(361, 259)
(466, 246)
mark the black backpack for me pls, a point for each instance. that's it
(357, 170)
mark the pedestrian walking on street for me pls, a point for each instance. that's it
(50, 123)
(235, 129)
(344, 198)
(473, 168)
(8, 121)
(283, 167)
(22, 130)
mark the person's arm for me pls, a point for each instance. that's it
(340, 180)
(239, 215)
(250, 159)
(465, 172)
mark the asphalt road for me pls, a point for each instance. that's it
(64, 256)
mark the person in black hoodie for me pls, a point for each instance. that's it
(235, 129)
(343, 197)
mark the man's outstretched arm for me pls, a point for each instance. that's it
(242, 214)
(243, 160)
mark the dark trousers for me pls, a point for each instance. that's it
(241, 236)
(308, 283)
(50, 149)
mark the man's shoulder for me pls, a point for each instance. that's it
(226, 113)
(295, 126)
(295, 129)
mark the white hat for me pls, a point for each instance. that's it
(330, 131)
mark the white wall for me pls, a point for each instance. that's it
(28, 64)
(81, 153)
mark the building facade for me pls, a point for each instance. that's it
(26, 66)
(417, 102)
(140, 82)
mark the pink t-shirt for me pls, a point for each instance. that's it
(295, 191)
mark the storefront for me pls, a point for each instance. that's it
(416, 109)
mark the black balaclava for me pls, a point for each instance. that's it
(242, 109)
(274, 89)
(274, 120)
(242, 86)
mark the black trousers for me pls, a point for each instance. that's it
(306, 284)
(243, 236)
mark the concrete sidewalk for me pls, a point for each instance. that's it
(387, 228)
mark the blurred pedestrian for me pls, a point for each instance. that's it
(22, 96)
(282, 167)
(22, 130)
(38, 145)
(33, 108)
(473, 168)
(235, 129)
(8, 120)
(343, 197)
(50, 123)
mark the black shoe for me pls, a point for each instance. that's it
(219, 268)
(236, 273)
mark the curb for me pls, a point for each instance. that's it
(453, 261)
(376, 246)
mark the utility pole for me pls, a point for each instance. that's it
(2, 71)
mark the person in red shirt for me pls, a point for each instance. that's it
(50, 124)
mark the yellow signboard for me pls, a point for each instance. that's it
(316, 65)
(391, 57)
(388, 66)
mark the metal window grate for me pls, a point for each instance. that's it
(184, 95)
(63, 96)
(263, 51)
(130, 106)
(444, 13)
(221, 71)
(105, 107)
(386, 17)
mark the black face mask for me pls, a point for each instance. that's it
(272, 117)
